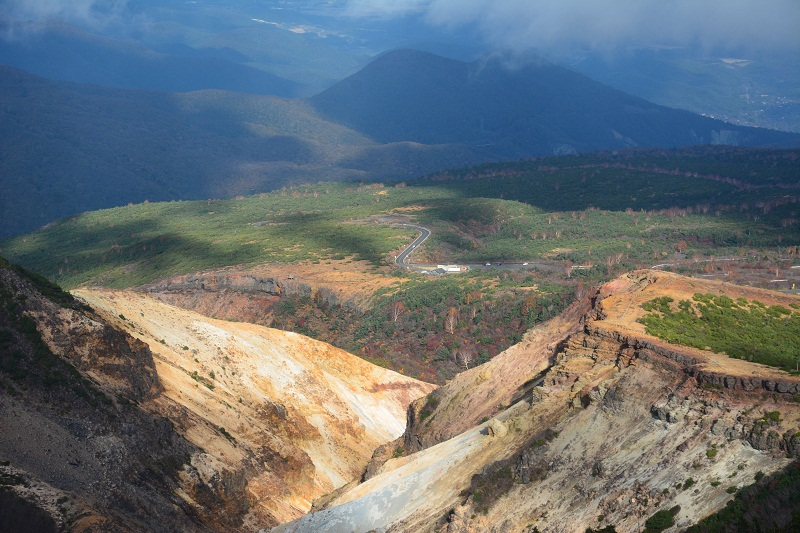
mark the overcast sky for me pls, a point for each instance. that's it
(69, 9)
(605, 25)
(538, 25)
(87, 12)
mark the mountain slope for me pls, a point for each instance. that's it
(70, 147)
(511, 111)
(743, 88)
(185, 424)
(65, 52)
(312, 412)
(77, 449)
(621, 425)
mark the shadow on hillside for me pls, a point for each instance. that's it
(342, 240)
(119, 255)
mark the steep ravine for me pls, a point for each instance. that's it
(289, 418)
(118, 412)
(612, 426)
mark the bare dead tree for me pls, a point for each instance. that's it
(396, 310)
(465, 357)
(451, 320)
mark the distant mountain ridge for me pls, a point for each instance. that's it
(64, 52)
(70, 147)
(750, 89)
(512, 111)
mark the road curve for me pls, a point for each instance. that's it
(400, 260)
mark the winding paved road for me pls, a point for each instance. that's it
(401, 260)
(424, 234)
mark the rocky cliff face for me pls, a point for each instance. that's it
(118, 412)
(602, 424)
(76, 449)
(282, 419)
(121, 413)
(248, 295)
(477, 394)
(118, 362)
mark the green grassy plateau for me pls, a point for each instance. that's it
(611, 210)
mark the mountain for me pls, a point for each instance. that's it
(742, 88)
(64, 52)
(512, 110)
(590, 421)
(123, 413)
(314, 44)
(127, 414)
(70, 147)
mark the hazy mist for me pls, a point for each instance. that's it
(608, 25)
(83, 11)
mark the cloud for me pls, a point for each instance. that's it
(550, 25)
(385, 8)
(95, 13)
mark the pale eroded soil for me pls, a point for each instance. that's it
(298, 417)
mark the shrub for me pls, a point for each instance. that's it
(226, 434)
(487, 487)
(753, 332)
(431, 403)
(661, 520)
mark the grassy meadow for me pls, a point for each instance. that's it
(612, 211)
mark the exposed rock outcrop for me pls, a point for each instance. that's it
(118, 362)
(604, 424)
(130, 415)
(248, 295)
(74, 441)
(481, 391)
(282, 419)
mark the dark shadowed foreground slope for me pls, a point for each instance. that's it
(133, 415)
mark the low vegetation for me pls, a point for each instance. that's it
(770, 504)
(431, 329)
(607, 211)
(739, 328)
(431, 403)
(661, 520)
(490, 485)
(603, 213)
(591, 207)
